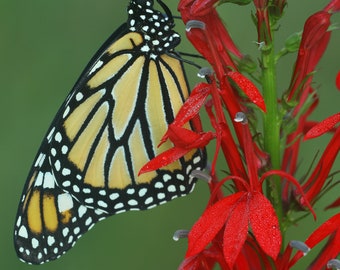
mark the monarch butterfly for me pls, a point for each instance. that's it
(108, 127)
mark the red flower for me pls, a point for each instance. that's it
(315, 38)
(263, 24)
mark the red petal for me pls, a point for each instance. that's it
(164, 159)
(336, 203)
(188, 139)
(193, 104)
(329, 251)
(265, 224)
(210, 223)
(337, 81)
(235, 233)
(323, 231)
(190, 108)
(323, 127)
(248, 88)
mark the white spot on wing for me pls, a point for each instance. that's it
(50, 240)
(39, 179)
(159, 185)
(96, 66)
(35, 243)
(40, 160)
(23, 232)
(118, 205)
(130, 191)
(82, 211)
(58, 137)
(142, 192)
(65, 231)
(160, 196)
(79, 96)
(88, 221)
(114, 196)
(171, 188)
(102, 204)
(50, 134)
(66, 171)
(132, 202)
(48, 180)
(65, 202)
(148, 200)
(67, 110)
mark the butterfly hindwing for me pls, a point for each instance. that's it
(49, 220)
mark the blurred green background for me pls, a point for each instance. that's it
(44, 45)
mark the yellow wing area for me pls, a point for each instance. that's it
(125, 93)
(109, 142)
(41, 210)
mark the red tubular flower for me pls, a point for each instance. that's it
(316, 181)
(315, 38)
(323, 127)
(217, 53)
(248, 88)
(291, 153)
(263, 24)
(334, 204)
(333, 6)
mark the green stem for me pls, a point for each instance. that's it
(272, 124)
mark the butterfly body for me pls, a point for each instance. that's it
(108, 127)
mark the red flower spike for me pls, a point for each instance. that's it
(248, 88)
(323, 127)
(210, 223)
(337, 81)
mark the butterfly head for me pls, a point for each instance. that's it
(156, 27)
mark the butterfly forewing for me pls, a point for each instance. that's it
(108, 134)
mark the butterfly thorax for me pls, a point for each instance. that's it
(156, 28)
